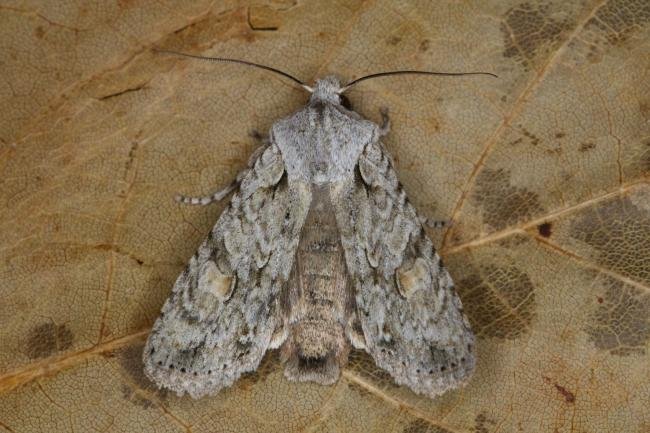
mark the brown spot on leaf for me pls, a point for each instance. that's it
(613, 25)
(545, 230)
(528, 31)
(594, 55)
(424, 45)
(499, 301)
(569, 397)
(555, 151)
(560, 135)
(504, 204)
(532, 138)
(126, 4)
(39, 32)
(644, 108)
(621, 323)
(619, 233)
(433, 123)
(584, 147)
(130, 358)
(618, 19)
(393, 40)
(421, 426)
(131, 157)
(483, 424)
(47, 339)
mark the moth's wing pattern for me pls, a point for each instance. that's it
(407, 308)
(224, 307)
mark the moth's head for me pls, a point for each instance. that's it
(326, 89)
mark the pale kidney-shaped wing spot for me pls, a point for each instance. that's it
(416, 277)
(373, 256)
(214, 282)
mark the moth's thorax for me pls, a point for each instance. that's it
(321, 143)
(326, 90)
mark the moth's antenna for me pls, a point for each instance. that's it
(382, 74)
(243, 62)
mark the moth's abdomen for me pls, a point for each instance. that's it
(319, 302)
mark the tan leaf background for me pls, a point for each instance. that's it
(543, 172)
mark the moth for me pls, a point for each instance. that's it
(319, 251)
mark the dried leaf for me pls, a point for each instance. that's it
(544, 173)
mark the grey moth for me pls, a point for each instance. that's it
(319, 251)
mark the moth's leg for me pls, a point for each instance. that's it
(434, 224)
(215, 196)
(220, 194)
(385, 122)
